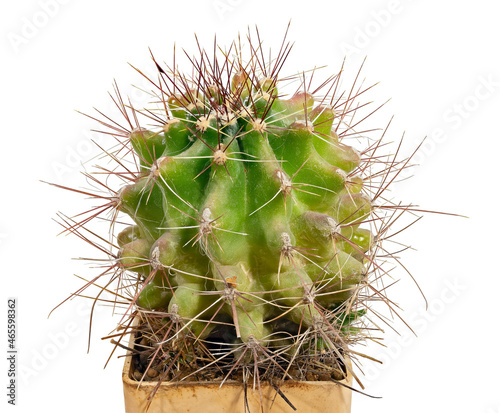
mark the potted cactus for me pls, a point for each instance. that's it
(246, 235)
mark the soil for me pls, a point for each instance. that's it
(184, 361)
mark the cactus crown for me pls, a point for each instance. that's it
(256, 230)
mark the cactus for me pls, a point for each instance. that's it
(254, 226)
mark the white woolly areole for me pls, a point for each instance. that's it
(285, 237)
(259, 125)
(220, 156)
(155, 168)
(308, 297)
(155, 258)
(206, 222)
(229, 294)
(203, 123)
(286, 182)
(252, 342)
(174, 316)
(287, 247)
(333, 226)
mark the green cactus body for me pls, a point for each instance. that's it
(252, 199)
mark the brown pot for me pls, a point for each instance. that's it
(210, 397)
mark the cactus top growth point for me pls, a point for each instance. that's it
(254, 242)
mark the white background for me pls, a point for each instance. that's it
(432, 58)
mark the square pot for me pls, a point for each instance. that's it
(211, 397)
